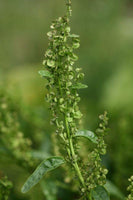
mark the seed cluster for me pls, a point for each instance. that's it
(96, 173)
(5, 187)
(63, 78)
(130, 189)
(10, 135)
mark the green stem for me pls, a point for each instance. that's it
(73, 155)
(71, 151)
(69, 3)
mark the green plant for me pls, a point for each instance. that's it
(130, 189)
(63, 85)
(12, 140)
(5, 188)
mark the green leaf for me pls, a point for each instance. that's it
(47, 165)
(100, 193)
(113, 190)
(45, 73)
(87, 134)
(49, 189)
(74, 36)
(79, 86)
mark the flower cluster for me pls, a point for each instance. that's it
(63, 78)
(95, 171)
(12, 139)
(130, 189)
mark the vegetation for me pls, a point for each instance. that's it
(71, 162)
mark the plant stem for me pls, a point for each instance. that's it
(73, 153)
(73, 156)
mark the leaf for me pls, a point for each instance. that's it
(113, 190)
(74, 36)
(45, 73)
(79, 86)
(100, 193)
(87, 134)
(47, 165)
(49, 189)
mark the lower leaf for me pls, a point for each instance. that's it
(100, 193)
(47, 165)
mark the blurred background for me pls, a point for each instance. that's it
(106, 56)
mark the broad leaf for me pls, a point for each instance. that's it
(79, 86)
(113, 190)
(46, 166)
(45, 73)
(100, 193)
(87, 134)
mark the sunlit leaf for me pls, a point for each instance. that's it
(74, 36)
(79, 86)
(87, 134)
(47, 165)
(100, 193)
(45, 73)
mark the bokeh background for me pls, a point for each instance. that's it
(106, 56)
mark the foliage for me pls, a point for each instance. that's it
(11, 137)
(5, 188)
(47, 165)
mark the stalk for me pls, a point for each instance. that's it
(63, 84)
(71, 151)
(73, 155)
